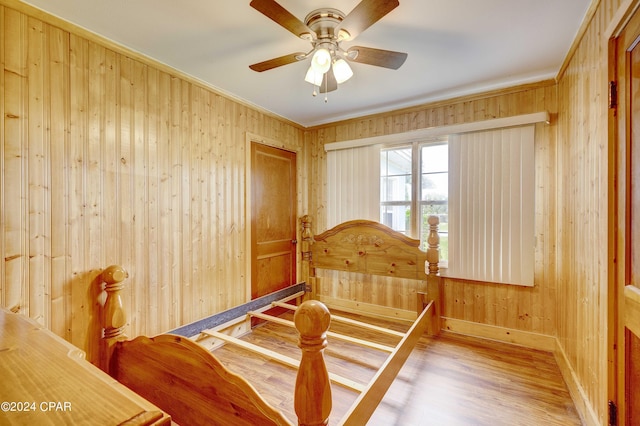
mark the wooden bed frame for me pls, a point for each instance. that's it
(187, 381)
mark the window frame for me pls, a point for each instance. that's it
(416, 203)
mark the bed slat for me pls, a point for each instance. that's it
(349, 321)
(368, 400)
(282, 359)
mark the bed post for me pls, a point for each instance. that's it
(114, 318)
(307, 239)
(434, 281)
(312, 397)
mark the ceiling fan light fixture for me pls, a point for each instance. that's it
(342, 71)
(313, 77)
(321, 61)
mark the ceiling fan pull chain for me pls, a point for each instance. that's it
(326, 91)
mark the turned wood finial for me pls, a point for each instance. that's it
(433, 241)
(434, 281)
(312, 400)
(307, 237)
(114, 318)
(306, 271)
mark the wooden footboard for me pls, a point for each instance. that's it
(190, 383)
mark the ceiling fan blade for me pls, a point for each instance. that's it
(377, 57)
(365, 14)
(277, 62)
(282, 17)
(329, 83)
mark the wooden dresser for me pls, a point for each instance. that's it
(45, 380)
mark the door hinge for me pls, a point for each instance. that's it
(613, 94)
(613, 414)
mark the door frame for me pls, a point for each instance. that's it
(618, 169)
(253, 138)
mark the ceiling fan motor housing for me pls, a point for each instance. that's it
(324, 22)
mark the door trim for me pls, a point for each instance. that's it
(617, 215)
(253, 138)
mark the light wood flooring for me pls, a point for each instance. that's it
(448, 380)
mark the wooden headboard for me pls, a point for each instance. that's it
(368, 247)
(366, 267)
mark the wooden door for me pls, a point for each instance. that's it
(625, 212)
(273, 219)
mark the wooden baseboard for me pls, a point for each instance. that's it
(502, 334)
(534, 341)
(584, 407)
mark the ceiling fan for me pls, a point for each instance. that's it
(325, 29)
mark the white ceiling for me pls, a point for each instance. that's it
(455, 47)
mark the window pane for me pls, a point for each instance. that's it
(435, 187)
(395, 188)
(396, 217)
(396, 161)
(435, 158)
(395, 174)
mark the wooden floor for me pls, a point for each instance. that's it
(448, 380)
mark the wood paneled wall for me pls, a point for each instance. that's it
(111, 159)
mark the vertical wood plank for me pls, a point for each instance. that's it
(93, 187)
(165, 259)
(186, 248)
(154, 258)
(38, 278)
(59, 116)
(76, 282)
(125, 172)
(175, 159)
(16, 290)
(139, 237)
(111, 160)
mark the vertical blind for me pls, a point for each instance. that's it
(491, 211)
(353, 184)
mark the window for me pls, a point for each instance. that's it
(404, 206)
(478, 177)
